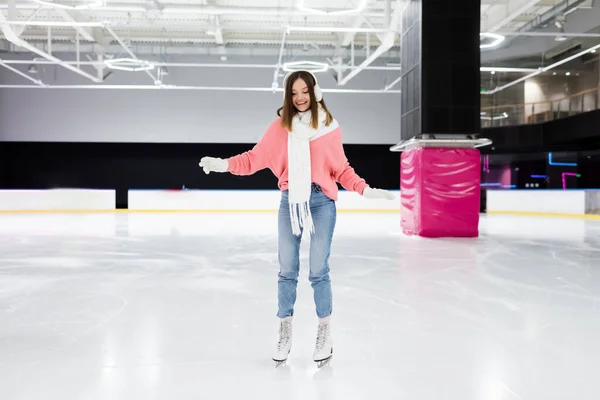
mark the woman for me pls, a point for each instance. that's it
(303, 148)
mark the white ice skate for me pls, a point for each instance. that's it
(324, 345)
(284, 343)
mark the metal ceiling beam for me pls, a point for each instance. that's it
(561, 8)
(275, 83)
(387, 43)
(10, 35)
(542, 41)
(19, 29)
(392, 84)
(218, 32)
(206, 88)
(199, 27)
(360, 19)
(24, 75)
(552, 34)
(492, 21)
(183, 8)
(540, 70)
(199, 48)
(196, 65)
(349, 36)
(86, 33)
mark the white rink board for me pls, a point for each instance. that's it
(242, 200)
(57, 199)
(537, 201)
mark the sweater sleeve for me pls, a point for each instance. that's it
(253, 160)
(344, 173)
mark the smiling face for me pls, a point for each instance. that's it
(300, 95)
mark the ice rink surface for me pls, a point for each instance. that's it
(182, 306)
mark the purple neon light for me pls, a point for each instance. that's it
(564, 178)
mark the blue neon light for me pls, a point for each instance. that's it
(558, 164)
(539, 176)
(498, 185)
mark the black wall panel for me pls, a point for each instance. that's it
(575, 133)
(123, 166)
(440, 67)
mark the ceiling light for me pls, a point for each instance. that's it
(493, 72)
(568, 73)
(361, 6)
(497, 39)
(593, 51)
(496, 118)
(311, 66)
(129, 64)
(506, 69)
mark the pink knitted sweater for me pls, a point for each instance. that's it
(328, 160)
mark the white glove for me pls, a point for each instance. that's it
(371, 193)
(211, 164)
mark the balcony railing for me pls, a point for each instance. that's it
(533, 113)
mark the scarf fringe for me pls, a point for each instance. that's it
(300, 216)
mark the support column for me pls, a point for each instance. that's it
(440, 118)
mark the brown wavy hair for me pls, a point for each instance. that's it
(288, 110)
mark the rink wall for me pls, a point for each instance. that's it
(242, 200)
(57, 200)
(584, 203)
(174, 200)
(544, 202)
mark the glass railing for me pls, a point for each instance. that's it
(533, 113)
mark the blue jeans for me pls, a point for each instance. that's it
(323, 212)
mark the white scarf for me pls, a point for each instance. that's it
(299, 170)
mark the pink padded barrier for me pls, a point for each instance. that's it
(440, 190)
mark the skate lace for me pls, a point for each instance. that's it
(322, 336)
(284, 335)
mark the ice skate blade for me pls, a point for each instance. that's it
(323, 363)
(280, 363)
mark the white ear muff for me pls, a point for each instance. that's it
(317, 88)
(318, 92)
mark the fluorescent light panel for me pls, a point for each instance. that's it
(506, 69)
(497, 40)
(311, 66)
(361, 6)
(129, 64)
